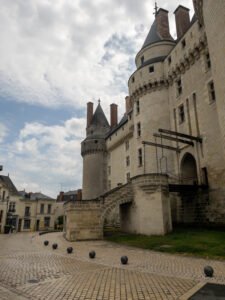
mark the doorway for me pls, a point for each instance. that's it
(19, 225)
(189, 170)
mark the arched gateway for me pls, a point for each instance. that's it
(189, 169)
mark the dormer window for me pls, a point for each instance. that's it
(142, 60)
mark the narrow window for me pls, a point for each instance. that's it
(127, 145)
(138, 129)
(151, 69)
(133, 79)
(179, 87)
(127, 161)
(27, 211)
(47, 221)
(109, 184)
(128, 177)
(26, 224)
(181, 114)
(169, 60)
(3, 195)
(212, 94)
(140, 157)
(12, 207)
(1, 214)
(183, 43)
(142, 60)
(49, 208)
(207, 61)
(137, 107)
(109, 170)
(42, 208)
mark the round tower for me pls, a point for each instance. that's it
(93, 150)
(149, 92)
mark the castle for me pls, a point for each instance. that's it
(164, 162)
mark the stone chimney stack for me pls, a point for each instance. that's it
(182, 20)
(113, 115)
(89, 112)
(162, 22)
(79, 195)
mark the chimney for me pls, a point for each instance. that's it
(113, 115)
(128, 102)
(60, 197)
(89, 112)
(182, 20)
(162, 22)
(79, 195)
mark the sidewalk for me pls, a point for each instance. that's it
(35, 271)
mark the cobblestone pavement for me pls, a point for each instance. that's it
(30, 270)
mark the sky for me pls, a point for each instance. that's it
(55, 56)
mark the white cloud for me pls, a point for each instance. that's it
(65, 53)
(43, 157)
(3, 132)
(50, 50)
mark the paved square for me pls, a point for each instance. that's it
(30, 270)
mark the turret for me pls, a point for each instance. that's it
(93, 150)
(148, 91)
(158, 42)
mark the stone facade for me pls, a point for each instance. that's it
(176, 100)
(26, 211)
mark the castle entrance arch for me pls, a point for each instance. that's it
(189, 169)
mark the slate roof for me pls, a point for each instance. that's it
(34, 196)
(152, 36)
(99, 118)
(120, 124)
(7, 182)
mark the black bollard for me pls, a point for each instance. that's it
(69, 250)
(54, 246)
(208, 270)
(46, 243)
(92, 254)
(124, 260)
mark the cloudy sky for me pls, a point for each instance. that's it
(55, 56)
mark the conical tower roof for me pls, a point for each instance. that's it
(159, 30)
(152, 36)
(99, 125)
(99, 118)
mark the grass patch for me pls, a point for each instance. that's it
(188, 241)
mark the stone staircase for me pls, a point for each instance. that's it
(111, 202)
